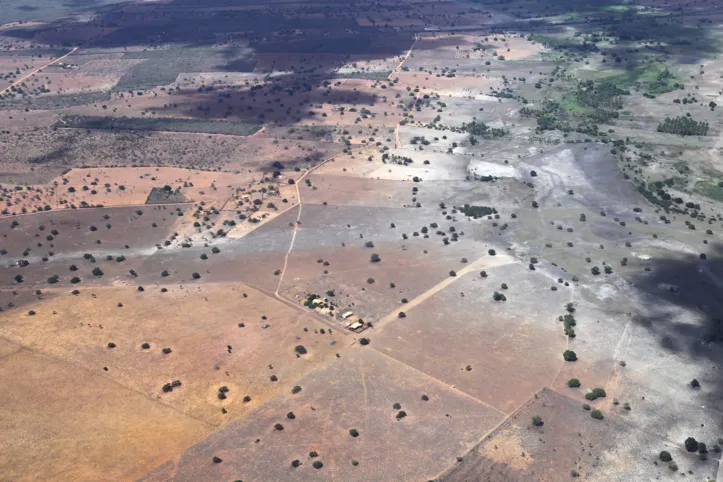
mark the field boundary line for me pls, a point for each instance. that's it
(207, 425)
(493, 431)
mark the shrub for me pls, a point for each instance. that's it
(317, 464)
(364, 341)
(453, 273)
(290, 416)
(195, 276)
(672, 466)
(597, 415)
(569, 355)
(401, 314)
(53, 279)
(665, 456)
(573, 383)
(215, 250)
(297, 462)
(397, 406)
(354, 432)
(145, 346)
(691, 444)
(491, 252)
(300, 350)
(217, 460)
(401, 414)
(375, 258)
(278, 427)
(595, 394)
(296, 389)
(537, 421)
(497, 296)
(695, 383)
(75, 280)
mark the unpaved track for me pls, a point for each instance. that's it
(485, 261)
(409, 52)
(298, 218)
(36, 71)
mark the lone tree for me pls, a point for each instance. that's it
(691, 444)
(537, 421)
(375, 258)
(497, 296)
(569, 355)
(595, 394)
(573, 383)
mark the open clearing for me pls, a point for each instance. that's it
(371, 241)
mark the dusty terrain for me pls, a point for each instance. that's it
(372, 241)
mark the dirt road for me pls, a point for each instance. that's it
(485, 261)
(298, 218)
(22, 79)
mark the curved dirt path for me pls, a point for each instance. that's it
(298, 218)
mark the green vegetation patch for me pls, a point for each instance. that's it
(713, 190)
(564, 43)
(477, 211)
(230, 128)
(165, 195)
(683, 126)
(653, 77)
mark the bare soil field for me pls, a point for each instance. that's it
(358, 391)
(368, 241)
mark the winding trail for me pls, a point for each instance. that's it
(298, 218)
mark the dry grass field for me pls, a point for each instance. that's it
(373, 241)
